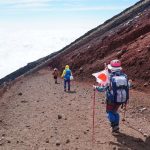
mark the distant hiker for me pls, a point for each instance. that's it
(55, 75)
(66, 75)
(117, 92)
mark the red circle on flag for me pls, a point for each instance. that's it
(102, 77)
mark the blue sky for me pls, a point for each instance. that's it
(31, 29)
(61, 11)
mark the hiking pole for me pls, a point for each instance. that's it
(93, 132)
(124, 113)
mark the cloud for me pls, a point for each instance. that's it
(19, 46)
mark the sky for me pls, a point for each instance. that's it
(31, 29)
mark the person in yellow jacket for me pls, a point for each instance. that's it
(66, 75)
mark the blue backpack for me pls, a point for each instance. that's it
(119, 87)
(67, 74)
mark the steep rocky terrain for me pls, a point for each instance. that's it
(126, 36)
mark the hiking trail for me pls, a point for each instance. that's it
(36, 114)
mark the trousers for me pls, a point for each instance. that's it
(65, 84)
(114, 118)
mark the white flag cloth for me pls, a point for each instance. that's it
(102, 77)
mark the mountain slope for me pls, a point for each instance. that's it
(125, 36)
(36, 114)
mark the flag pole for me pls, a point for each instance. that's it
(124, 113)
(93, 125)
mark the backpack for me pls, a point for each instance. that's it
(67, 74)
(119, 87)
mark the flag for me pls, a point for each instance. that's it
(102, 77)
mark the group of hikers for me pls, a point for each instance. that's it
(67, 75)
(116, 90)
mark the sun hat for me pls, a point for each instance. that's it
(115, 65)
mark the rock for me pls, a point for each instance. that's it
(59, 117)
(140, 130)
(80, 69)
(139, 50)
(89, 46)
(20, 94)
(68, 141)
(142, 109)
(47, 140)
(85, 132)
(146, 72)
(28, 126)
(148, 47)
(8, 141)
(146, 84)
(57, 143)
(2, 141)
(121, 52)
(24, 101)
(56, 128)
(141, 37)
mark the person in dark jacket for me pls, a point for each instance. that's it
(55, 75)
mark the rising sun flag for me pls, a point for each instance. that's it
(102, 77)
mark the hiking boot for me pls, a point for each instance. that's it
(115, 129)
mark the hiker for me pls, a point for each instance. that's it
(55, 75)
(66, 75)
(117, 93)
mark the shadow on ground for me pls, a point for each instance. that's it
(71, 92)
(125, 142)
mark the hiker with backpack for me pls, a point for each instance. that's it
(55, 75)
(67, 75)
(117, 92)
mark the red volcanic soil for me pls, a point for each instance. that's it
(129, 41)
(36, 114)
